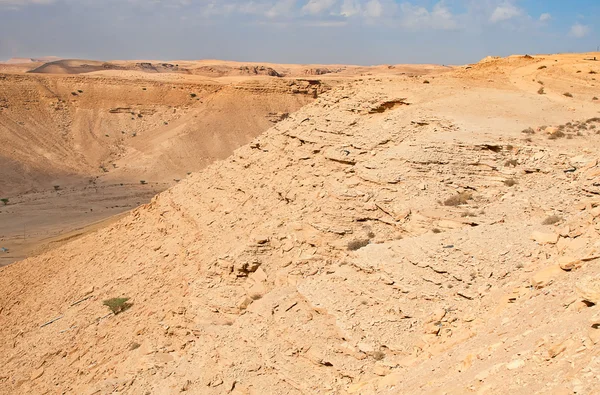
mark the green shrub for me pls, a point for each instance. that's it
(117, 305)
(4, 200)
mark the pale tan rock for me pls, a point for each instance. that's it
(516, 364)
(546, 276)
(588, 289)
(381, 370)
(594, 335)
(545, 238)
(244, 302)
(569, 263)
(37, 373)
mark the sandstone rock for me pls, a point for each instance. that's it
(37, 373)
(516, 364)
(569, 263)
(589, 289)
(546, 276)
(545, 238)
(594, 335)
(244, 302)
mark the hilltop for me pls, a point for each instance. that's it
(426, 232)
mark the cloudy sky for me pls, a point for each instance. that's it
(297, 31)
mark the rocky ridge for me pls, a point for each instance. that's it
(384, 239)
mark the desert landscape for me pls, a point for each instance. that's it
(216, 227)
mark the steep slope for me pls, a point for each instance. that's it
(387, 238)
(76, 150)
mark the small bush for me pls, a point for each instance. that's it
(541, 91)
(593, 72)
(57, 187)
(542, 67)
(193, 95)
(436, 231)
(595, 119)
(551, 220)
(117, 305)
(511, 162)
(74, 93)
(556, 135)
(541, 82)
(143, 182)
(378, 355)
(567, 94)
(356, 245)
(80, 91)
(4, 200)
(459, 199)
(528, 131)
(511, 182)
(594, 98)
(426, 82)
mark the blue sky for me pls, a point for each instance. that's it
(297, 31)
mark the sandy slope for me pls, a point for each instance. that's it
(321, 258)
(86, 142)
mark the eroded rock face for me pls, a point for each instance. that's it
(321, 257)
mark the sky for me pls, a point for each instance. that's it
(364, 32)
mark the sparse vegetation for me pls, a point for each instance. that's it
(542, 67)
(378, 355)
(528, 131)
(511, 182)
(193, 95)
(541, 82)
(358, 244)
(541, 91)
(556, 135)
(143, 182)
(117, 305)
(594, 98)
(57, 187)
(80, 91)
(567, 94)
(4, 200)
(459, 199)
(511, 162)
(436, 230)
(426, 82)
(551, 220)
(74, 93)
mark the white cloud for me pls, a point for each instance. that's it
(578, 30)
(373, 9)
(415, 17)
(545, 17)
(505, 12)
(350, 8)
(318, 6)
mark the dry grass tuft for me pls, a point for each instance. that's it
(557, 135)
(356, 245)
(459, 199)
(551, 220)
(567, 94)
(528, 131)
(511, 182)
